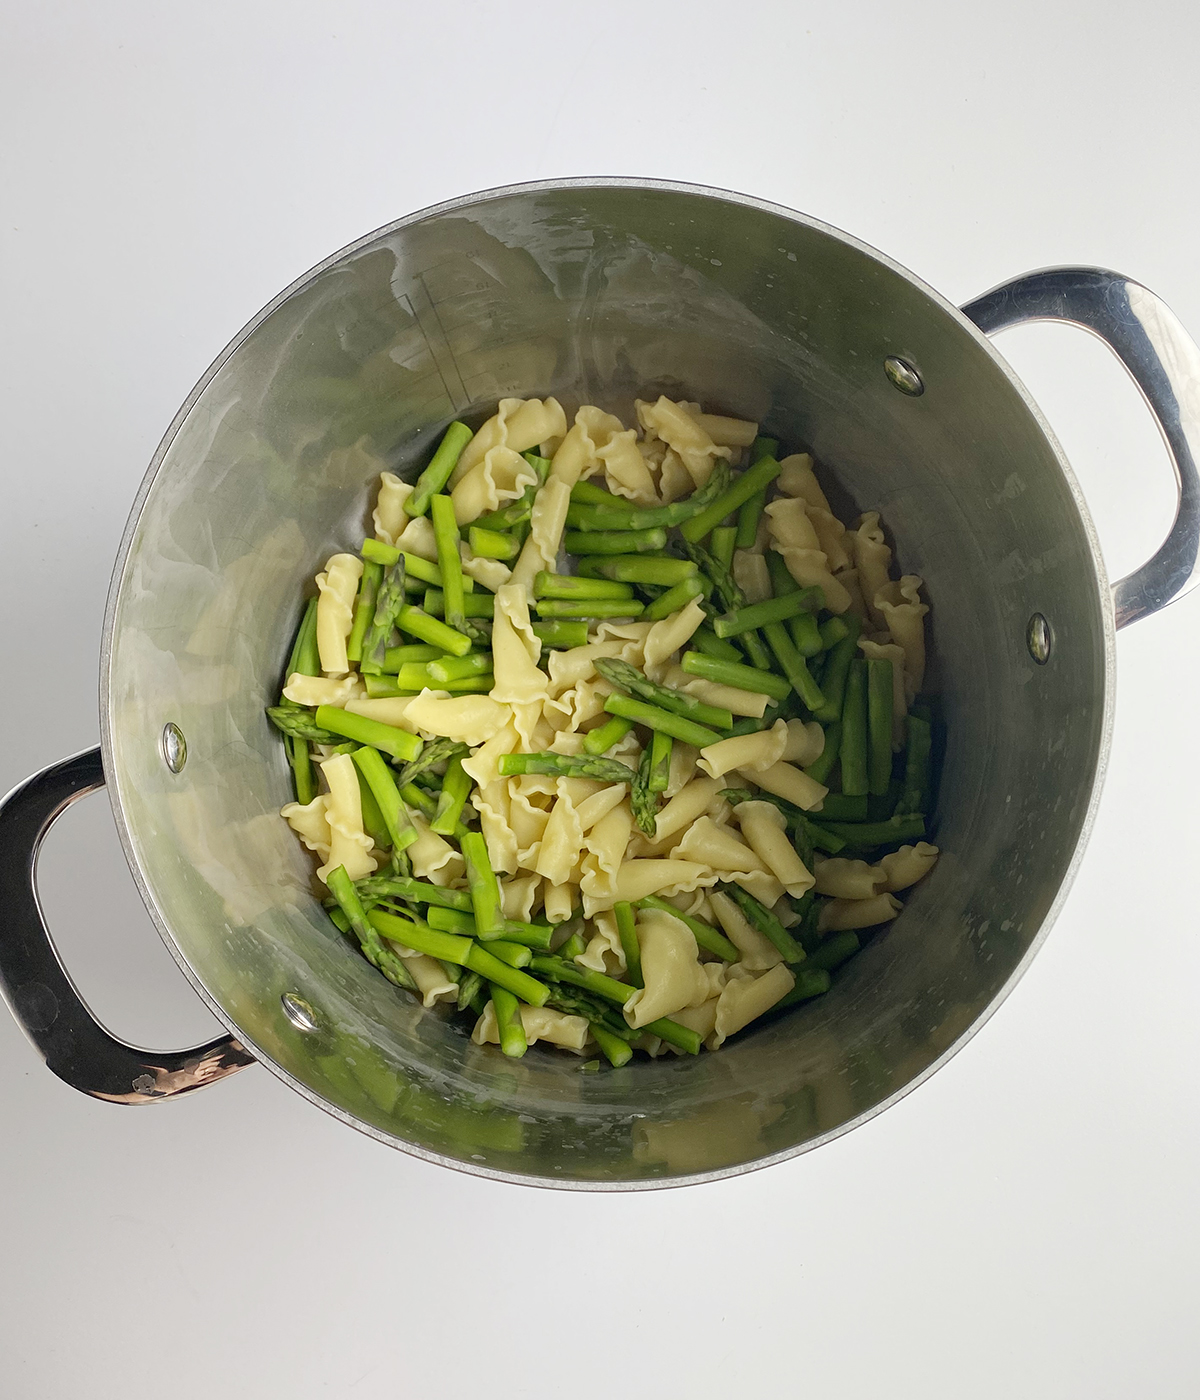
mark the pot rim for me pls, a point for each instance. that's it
(589, 183)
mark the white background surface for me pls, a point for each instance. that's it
(1024, 1224)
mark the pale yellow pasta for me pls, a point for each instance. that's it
(432, 856)
(429, 975)
(681, 770)
(765, 829)
(744, 999)
(392, 709)
(538, 1023)
(482, 766)
(638, 878)
(889, 651)
(872, 559)
(575, 664)
(841, 914)
(900, 603)
(492, 804)
(471, 719)
(546, 523)
(418, 538)
(559, 902)
(752, 752)
(674, 479)
(702, 1019)
(518, 896)
(592, 809)
(849, 879)
(906, 866)
(701, 796)
(727, 697)
(805, 742)
(492, 573)
(338, 587)
(721, 851)
(684, 433)
(605, 847)
(670, 635)
(324, 690)
(848, 578)
(501, 477)
(515, 651)
(528, 821)
(518, 425)
(752, 576)
(671, 969)
(796, 478)
(388, 517)
(831, 534)
(310, 824)
(756, 949)
(575, 458)
(794, 786)
(725, 432)
(810, 570)
(562, 840)
(626, 472)
(349, 845)
(604, 952)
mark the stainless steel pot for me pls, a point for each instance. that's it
(595, 290)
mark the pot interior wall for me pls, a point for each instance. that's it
(598, 294)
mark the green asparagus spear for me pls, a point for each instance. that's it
(343, 890)
(440, 469)
(572, 947)
(389, 603)
(722, 542)
(372, 818)
(682, 1037)
(756, 479)
(833, 684)
(433, 752)
(678, 702)
(446, 947)
(364, 609)
(766, 923)
(398, 887)
(627, 931)
(834, 951)
(590, 518)
(561, 635)
(617, 1052)
(558, 970)
(459, 668)
(867, 836)
(508, 1023)
(710, 939)
(917, 790)
(805, 634)
(854, 732)
(711, 645)
(879, 726)
(299, 724)
(554, 608)
(748, 518)
(710, 668)
(810, 983)
(511, 978)
(840, 807)
(378, 777)
(418, 571)
(397, 742)
(456, 786)
(451, 920)
(723, 582)
(303, 659)
(572, 586)
(686, 730)
(615, 541)
(673, 599)
(832, 631)
(395, 657)
(557, 765)
(660, 763)
(600, 740)
(635, 568)
(485, 892)
(473, 992)
(773, 610)
(475, 605)
(445, 532)
(514, 954)
(793, 665)
(492, 544)
(643, 801)
(587, 493)
(430, 629)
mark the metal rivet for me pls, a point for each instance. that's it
(298, 1012)
(903, 376)
(1038, 639)
(174, 747)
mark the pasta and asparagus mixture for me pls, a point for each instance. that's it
(630, 803)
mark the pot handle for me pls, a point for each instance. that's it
(1163, 361)
(37, 987)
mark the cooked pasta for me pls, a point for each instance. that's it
(641, 779)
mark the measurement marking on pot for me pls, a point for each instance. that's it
(904, 376)
(1038, 638)
(174, 747)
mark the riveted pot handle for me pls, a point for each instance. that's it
(36, 985)
(1163, 361)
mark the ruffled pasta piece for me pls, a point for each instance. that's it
(501, 477)
(791, 784)
(429, 975)
(699, 798)
(626, 472)
(527, 819)
(765, 829)
(728, 697)
(638, 878)
(900, 603)
(796, 478)
(888, 651)
(558, 902)
(471, 719)
(668, 636)
(725, 432)
(324, 690)
(432, 857)
(604, 856)
(872, 559)
(491, 802)
(751, 752)
(515, 651)
(671, 969)
(757, 951)
(702, 1019)
(492, 573)
(538, 1023)
(349, 845)
(848, 578)
(594, 808)
(683, 432)
(752, 576)
(795, 537)
(310, 824)
(546, 524)
(519, 897)
(575, 664)
(908, 865)
(518, 425)
(840, 914)
(389, 517)
(722, 851)
(674, 479)
(482, 766)
(338, 585)
(417, 537)
(805, 742)
(831, 534)
(604, 952)
(682, 768)
(744, 999)
(562, 840)
(849, 879)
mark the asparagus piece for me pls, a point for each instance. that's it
(446, 947)
(364, 609)
(585, 493)
(879, 726)
(558, 765)
(677, 702)
(615, 541)
(530, 935)
(492, 544)
(854, 732)
(809, 983)
(599, 741)
(722, 542)
(917, 790)
(304, 780)
(793, 665)
(763, 447)
(635, 568)
(834, 951)
(820, 838)
(558, 970)
(417, 569)
(399, 887)
(508, 1022)
(303, 659)
(581, 516)
(514, 954)
(455, 787)
(572, 586)
(372, 818)
(748, 518)
(866, 836)
(773, 610)
(459, 668)
(673, 599)
(511, 978)
(389, 603)
(710, 939)
(414, 678)
(617, 1052)
(433, 752)
(710, 668)
(711, 645)
(838, 807)
(383, 788)
(627, 930)
(343, 890)
(485, 892)
(384, 687)
(572, 948)
(510, 516)
(446, 536)
(430, 629)
(833, 683)
(397, 742)
(475, 605)
(552, 608)
(805, 634)
(832, 631)
(723, 582)
(643, 802)
(299, 724)
(473, 992)
(395, 657)
(660, 763)
(686, 730)
(673, 1033)
(440, 469)
(766, 923)
(451, 920)
(756, 479)
(561, 635)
